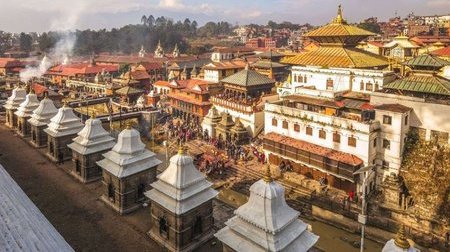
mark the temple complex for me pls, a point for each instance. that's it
(39, 120)
(244, 96)
(11, 105)
(189, 99)
(181, 206)
(399, 244)
(266, 223)
(24, 112)
(128, 170)
(63, 127)
(87, 148)
(210, 122)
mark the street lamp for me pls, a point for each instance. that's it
(362, 218)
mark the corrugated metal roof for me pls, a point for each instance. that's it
(267, 64)
(248, 78)
(22, 226)
(426, 60)
(421, 84)
(338, 29)
(338, 57)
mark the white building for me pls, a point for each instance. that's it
(266, 223)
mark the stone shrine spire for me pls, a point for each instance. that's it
(176, 51)
(266, 223)
(399, 244)
(159, 52)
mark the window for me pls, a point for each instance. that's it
(336, 137)
(369, 86)
(375, 142)
(308, 131)
(285, 124)
(296, 127)
(386, 144)
(300, 78)
(361, 86)
(352, 141)
(406, 120)
(385, 164)
(274, 122)
(387, 119)
(329, 84)
(322, 134)
(163, 228)
(305, 79)
(377, 87)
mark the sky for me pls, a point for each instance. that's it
(44, 15)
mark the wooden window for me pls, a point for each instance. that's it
(386, 144)
(305, 79)
(296, 127)
(329, 84)
(300, 79)
(369, 86)
(322, 134)
(274, 122)
(352, 141)
(387, 119)
(285, 125)
(377, 87)
(336, 137)
(406, 120)
(361, 86)
(309, 131)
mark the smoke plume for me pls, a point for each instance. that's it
(64, 25)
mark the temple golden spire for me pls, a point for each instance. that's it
(128, 125)
(400, 239)
(268, 176)
(339, 19)
(182, 150)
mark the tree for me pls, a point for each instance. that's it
(144, 20)
(375, 28)
(26, 42)
(46, 42)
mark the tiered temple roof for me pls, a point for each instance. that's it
(64, 123)
(92, 138)
(266, 222)
(43, 113)
(26, 108)
(16, 98)
(181, 187)
(248, 78)
(337, 47)
(129, 156)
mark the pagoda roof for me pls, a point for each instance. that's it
(128, 156)
(16, 98)
(421, 83)
(92, 138)
(64, 123)
(43, 113)
(402, 41)
(345, 57)
(129, 91)
(248, 78)
(426, 60)
(26, 108)
(340, 30)
(181, 187)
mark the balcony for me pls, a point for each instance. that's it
(233, 105)
(323, 119)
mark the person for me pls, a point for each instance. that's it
(351, 194)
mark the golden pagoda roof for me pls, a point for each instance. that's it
(345, 57)
(339, 28)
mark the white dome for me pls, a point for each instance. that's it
(64, 123)
(129, 142)
(16, 98)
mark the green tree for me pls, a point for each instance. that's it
(375, 28)
(26, 42)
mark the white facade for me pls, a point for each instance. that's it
(221, 56)
(329, 82)
(212, 75)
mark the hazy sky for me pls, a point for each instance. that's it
(43, 15)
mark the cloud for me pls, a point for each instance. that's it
(171, 4)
